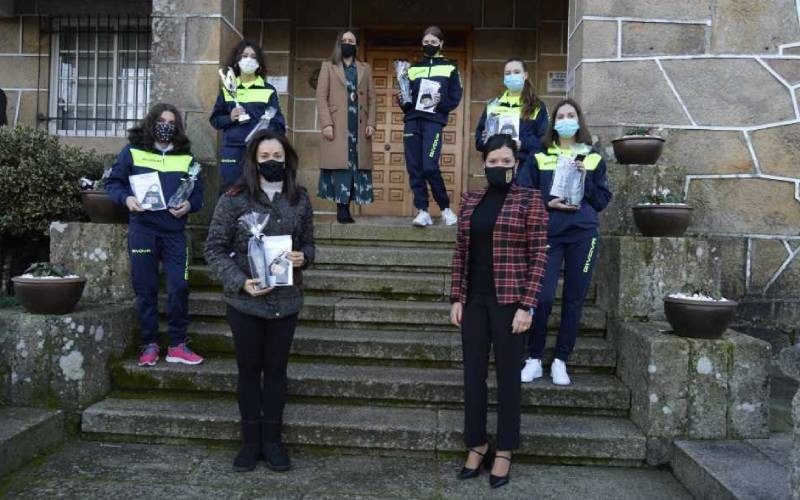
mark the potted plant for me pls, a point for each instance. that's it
(45, 288)
(701, 313)
(638, 146)
(662, 213)
(98, 204)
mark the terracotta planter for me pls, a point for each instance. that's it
(638, 149)
(101, 208)
(699, 319)
(48, 296)
(662, 220)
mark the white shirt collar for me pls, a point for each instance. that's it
(271, 188)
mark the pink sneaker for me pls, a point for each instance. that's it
(182, 354)
(148, 355)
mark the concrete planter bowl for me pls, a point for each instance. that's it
(638, 149)
(700, 319)
(669, 220)
(48, 295)
(101, 209)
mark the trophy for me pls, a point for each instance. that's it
(401, 69)
(229, 84)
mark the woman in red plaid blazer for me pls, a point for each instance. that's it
(498, 264)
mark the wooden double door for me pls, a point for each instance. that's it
(390, 178)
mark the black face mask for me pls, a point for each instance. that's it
(430, 50)
(348, 50)
(271, 171)
(164, 132)
(499, 177)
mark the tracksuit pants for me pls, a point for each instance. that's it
(578, 260)
(230, 166)
(422, 140)
(147, 249)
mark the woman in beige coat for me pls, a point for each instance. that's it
(346, 108)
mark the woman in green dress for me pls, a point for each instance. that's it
(346, 109)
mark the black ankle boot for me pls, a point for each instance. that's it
(250, 451)
(343, 213)
(272, 448)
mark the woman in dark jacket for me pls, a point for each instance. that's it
(497, 266)
(262, 320)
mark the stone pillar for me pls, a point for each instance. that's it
(191, 40)
(790, 364)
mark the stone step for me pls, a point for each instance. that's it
(352, 257)
(750, 469)
(377, 313)
(562, 438)
(26, 433)
(415, 386)
(380, 346)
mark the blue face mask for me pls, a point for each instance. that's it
(514, 82)
(567, 127)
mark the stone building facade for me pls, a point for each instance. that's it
(717, 78)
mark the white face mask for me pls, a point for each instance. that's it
(248, 65)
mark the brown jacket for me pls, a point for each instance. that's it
(332, 110)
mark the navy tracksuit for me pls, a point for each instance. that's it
(157, 237)
(422, 134)
(255, 98)
(531, 129)
(572, 239)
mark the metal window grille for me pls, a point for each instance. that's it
(99, 74)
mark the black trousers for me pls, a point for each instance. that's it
(262, 354)
(485, 324)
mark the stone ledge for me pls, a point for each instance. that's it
(26, 433)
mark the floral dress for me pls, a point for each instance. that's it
(348, 184)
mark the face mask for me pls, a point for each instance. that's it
(271, 171)
(348, 50)
(567, 127)
(164, 131)
(248, 65)
(514, 82)
(430, 50)
(499, 176)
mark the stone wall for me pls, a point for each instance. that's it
(719, 79)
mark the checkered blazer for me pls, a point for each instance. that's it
(519, 246)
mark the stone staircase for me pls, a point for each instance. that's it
(375, 367)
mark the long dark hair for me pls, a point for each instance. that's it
(499, 141)
(583, 135)
(530, 101)
(141, 136)
(249, 181)
(336, 54)
(236, 54)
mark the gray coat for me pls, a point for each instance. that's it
(226, 249)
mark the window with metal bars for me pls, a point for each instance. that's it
(99, 74)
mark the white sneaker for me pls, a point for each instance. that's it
(448, 217)
(532, 370)
(558, 372)
(423, 219)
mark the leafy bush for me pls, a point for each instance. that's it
(639, 131)
(39, 181)
(46, 269)
(661, 196)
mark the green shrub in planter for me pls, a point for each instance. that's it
(39, 181)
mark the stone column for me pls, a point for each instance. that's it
(191, 39)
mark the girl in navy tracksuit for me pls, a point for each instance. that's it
(571, 237)
(158, 145)
(422, 133)
(520, 102)
(254, 96)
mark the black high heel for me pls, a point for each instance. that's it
(486, 463)
(498, 481)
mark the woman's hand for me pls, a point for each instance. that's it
(133, 204)
(235, 112)
(456, 311)
(297, 258)
(327, 132)
(369, 132)
(558, 204)
(250, 286)
(182, 209)
(522, 322)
